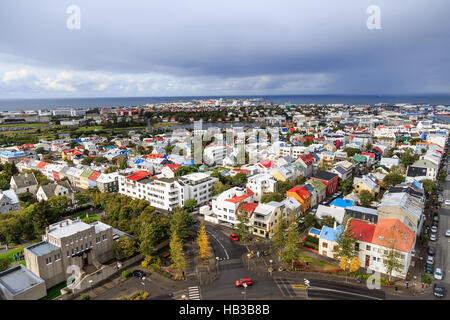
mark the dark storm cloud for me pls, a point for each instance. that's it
(284, 42)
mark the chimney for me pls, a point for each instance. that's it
(334, 225)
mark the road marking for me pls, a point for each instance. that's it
(194, 293)
(299, 286)
(228, 257)
(351, 293)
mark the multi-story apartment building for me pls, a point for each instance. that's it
(167, 193)
(215, 154)
(226, 204)
(67, 243)
(260, 184)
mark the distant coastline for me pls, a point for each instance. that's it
(34, 104)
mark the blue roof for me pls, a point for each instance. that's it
(13, 154)
(76, 140)
(339, 202)
(139, 161)
(330, 234)
(188, 163)
(316, 156)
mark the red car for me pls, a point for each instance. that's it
(234, 237)
(247, 281)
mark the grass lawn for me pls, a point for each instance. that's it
(27, 125)
(10, 255)
(82, 216)
(55, 291)
(164, 124)
(317, 263)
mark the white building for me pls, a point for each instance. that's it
(260, 184)
(225, 205)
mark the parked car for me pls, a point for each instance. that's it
(433, 237)
(430, 260)
(434, 229)
(438, 290)
(413, 252)
(427, 230)
(138, 273)
(247, 281)
(436, 218)
(447, 202)
(431, 250)
(234, 237)
(438, 274)
(447, 233)
(429, 268)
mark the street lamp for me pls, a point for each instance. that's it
(143, 282)
(90, 284)
(414, 289)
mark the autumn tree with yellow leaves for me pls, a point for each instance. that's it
(203, 244)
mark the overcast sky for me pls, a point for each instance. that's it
(216, 47)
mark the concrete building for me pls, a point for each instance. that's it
(23, 183)
(19, 283)
(9, 201)
(66, 243)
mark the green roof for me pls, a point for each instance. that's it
(359, 158)
(86, 173)
(317, 184)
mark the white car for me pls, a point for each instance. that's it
(434, 229)
(438, 274)
(447, 233)
(433, 237)
(447, 202)
(430, 260)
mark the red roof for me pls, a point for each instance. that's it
(138, 175)
(173, 167)
(266, 163)
(94, 175)
(301, 191)
(237, 199)
(392, 232)
(307, 159)
(248, 207)
(41, 165)
(372, 155)
(153, 156)
(362, 230)
(241, 170)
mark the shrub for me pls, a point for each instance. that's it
(85, 297)
(426, 278)
(312, 239)
(145, 295)
(126, 274)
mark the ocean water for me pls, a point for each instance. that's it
(34, 104)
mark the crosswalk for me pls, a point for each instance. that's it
(194, 293)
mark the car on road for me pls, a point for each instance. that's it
(430, 260)
(438, 274)
(438, 290)
(436, 218)
(427, 230)
(138, 273)
(434, 229)
(433, 237)
(429, 268)
(447, 233)
(234, 237)
(247, 281)
(447, 202)
(431, 250)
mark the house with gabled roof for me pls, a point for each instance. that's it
(302, 195)
(321, 189)
(329, 179)
(23, 183)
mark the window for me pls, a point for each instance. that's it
(367, 247)
(68, 254)
(48, 260)
(57, 257)
(77, 250)
(90, 244)
(73, 251)
(325, 245)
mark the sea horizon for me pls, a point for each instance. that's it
(97, 102)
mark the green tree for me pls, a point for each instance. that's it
(311, 221)
(392, 260)
(190, 205)
(279, 235)
(4, 263)
(429, 186)
(177, 252)
(351, 151)
(124, 248)
(239, 179)
(392, 179)
(291, 249)
(218, 188)
(184, 170)
(346, 186)
(345, 242)
(365, 198)
(180, 223)
(406, 159)
(327, 221)
(242, 229)
(271, 196)
(442, 175)
(283, 186)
